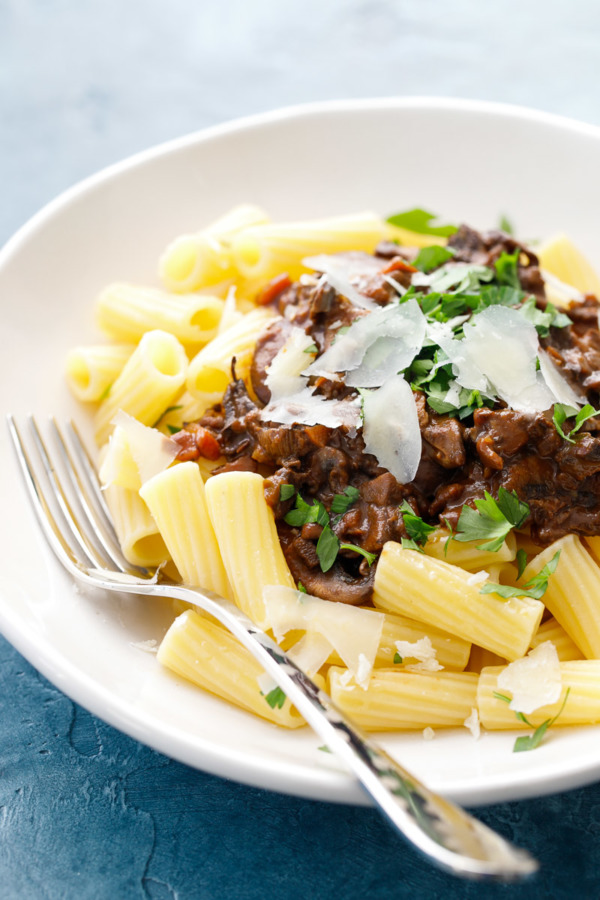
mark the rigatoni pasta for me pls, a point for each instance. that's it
(291, 472)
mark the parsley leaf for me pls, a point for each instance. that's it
(307, 512)
(535, 588)
(286, 491)
(311, 349)
(397, 658)
(506, 269)
(492, 519)
(342, 502)
(521, 562)
(459, 278)
(328, 546)
(544, 320)
(417, 530)
(418, 220)
(431, 257)
(562, 412)
(531, 741)
(173, 429)
(370, 557)
(275, 698)
(301, 588)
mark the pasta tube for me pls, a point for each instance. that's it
(581, 676)
(237, 506)
(204, 259)
(432, 591)
(573, 593)
(126, 312)
(268, 250)
(204, 653)
(209, 372)
(176, 499)
(396, 700)
(150, 380)
(137, 531)
(90, 371)
(550, 630)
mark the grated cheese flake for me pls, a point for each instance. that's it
(534, 681)
(423, 651)
(473, 724)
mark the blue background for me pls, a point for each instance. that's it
(86, 812)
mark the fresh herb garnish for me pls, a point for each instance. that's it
(286, 491)
(459, 278)
(173, 429)
(168, 410)
(544, 320)
(419, 220)
(328, 547)
(563, 411)
(431, 257)
(521, 562)
(531, 741)
(417, 530)
(506, 269)
(311, 349)
(535, 588)
(492, 520)
(305, 513)
(370, 557)
(342, 502)
(397, 658)
(301, 588)
(275, 698)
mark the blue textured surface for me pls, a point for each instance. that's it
(86, 812)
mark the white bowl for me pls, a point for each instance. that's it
(468, 161)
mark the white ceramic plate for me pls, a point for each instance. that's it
(468, 161)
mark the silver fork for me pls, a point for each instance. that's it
(65, 493)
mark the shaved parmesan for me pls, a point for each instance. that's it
(352, 632)
(560, 387)
(375, 346)
(421, 650)
(391, 428)
(478, 578)
(151, 451)
(503, 345)
(306, 408)
(311, 652)
(473, 724)
(428, 734)
(336, 271)
(534, 681)
(283, 375)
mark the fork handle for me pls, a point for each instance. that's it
(445, 833)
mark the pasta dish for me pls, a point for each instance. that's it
(379, 439)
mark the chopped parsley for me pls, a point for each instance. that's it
(535, 588)
(275, 698)
(521, 562)
(562, 412)
(544, 320)
(419, 220)
(417, 530)
(328, 544)
(397, 658)
(311, 349)
(431, 257)
(286, 491)
(492, 520)
(506, 267)
(531, 741)
(173, 429)
(342, 502)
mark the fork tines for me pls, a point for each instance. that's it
(66, 496)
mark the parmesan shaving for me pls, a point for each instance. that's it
(473, 724)
(336, 270)
(421, 650)
(478, 578)
(283, 375)
(311, 652)
(428, 734)
(352, 632)
(306, 408)
(151, 450)
(534, 681)
(391, 428)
